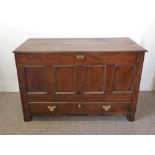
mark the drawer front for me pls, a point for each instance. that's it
(79, 108)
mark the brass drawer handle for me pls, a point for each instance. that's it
(80, 56)
(51, 107)
(106, 107)
(79, 105)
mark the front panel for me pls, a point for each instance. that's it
(123, 78)
(65, 79)
(36, 79)
(94, 78)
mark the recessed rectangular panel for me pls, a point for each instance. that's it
(94, 79)
(65, 82)
(123, 78)
(35, 77)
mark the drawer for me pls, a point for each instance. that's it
(79, 108)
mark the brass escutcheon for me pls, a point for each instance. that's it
(106, 107)
(80, 56)
(51, 107)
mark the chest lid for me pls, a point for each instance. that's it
(65, 45)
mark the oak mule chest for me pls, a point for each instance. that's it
(98, 76)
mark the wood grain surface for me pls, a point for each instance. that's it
(79, 76)
(37, 45)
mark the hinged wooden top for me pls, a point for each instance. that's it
(40, 45)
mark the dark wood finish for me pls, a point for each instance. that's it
(123, 78)
(85, 108)
(36, 82)
(61, 73)
(95, 73)
(39, 45)
(79, 76)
